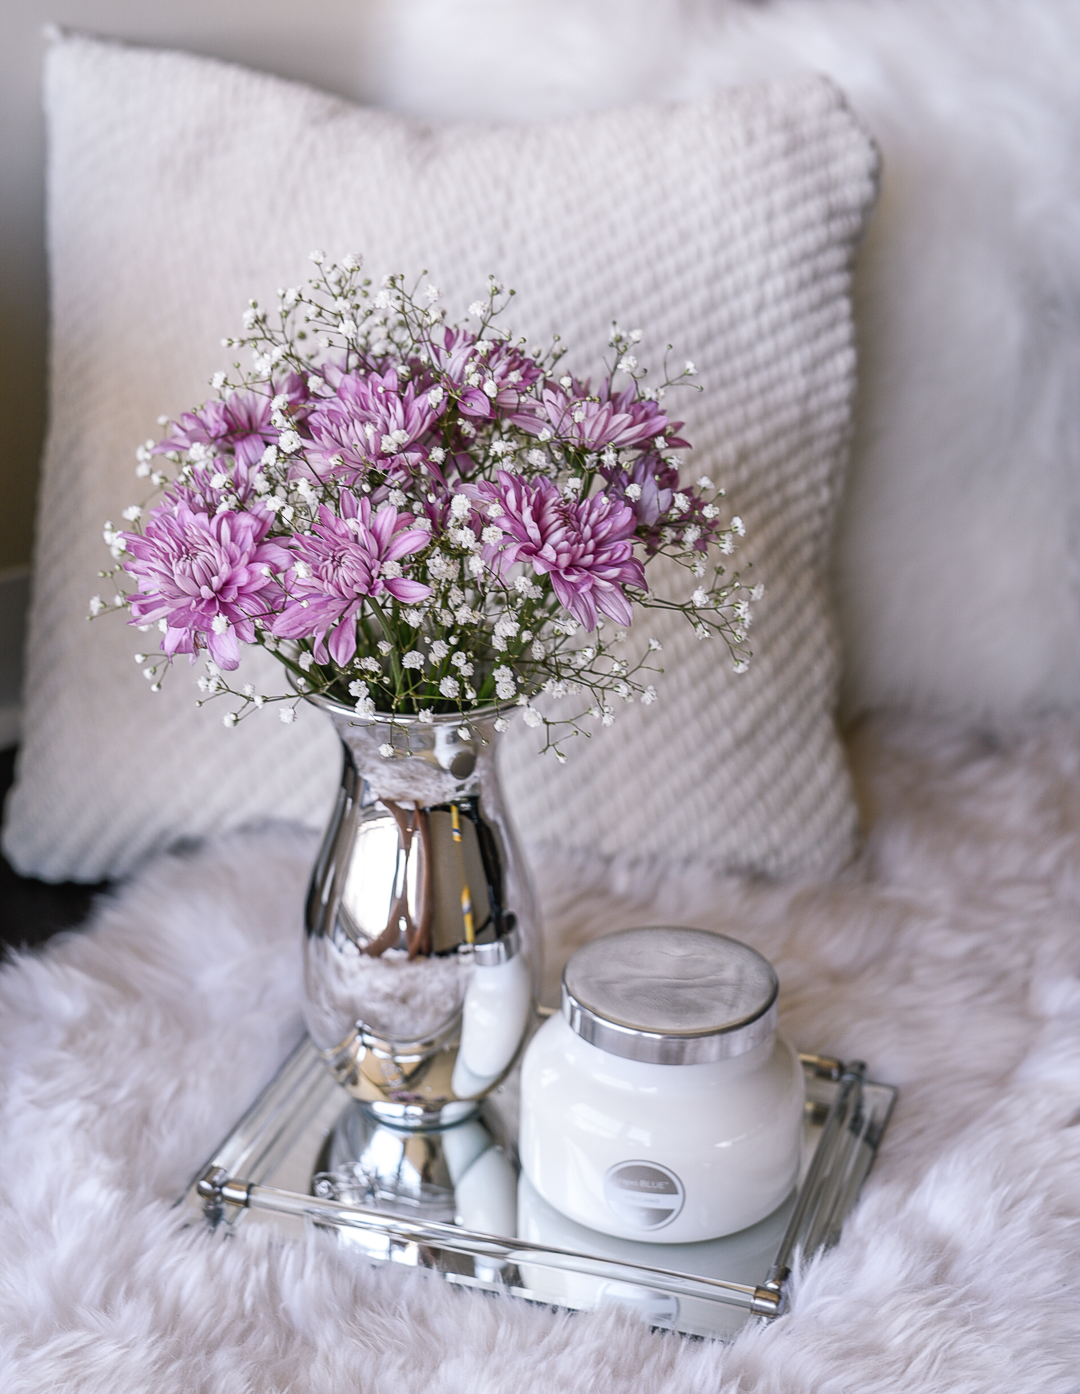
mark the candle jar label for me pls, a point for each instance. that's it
(643, 1194)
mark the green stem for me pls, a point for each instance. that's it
(388, 635)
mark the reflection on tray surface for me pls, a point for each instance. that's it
(458, 1175)
(465, 1175)
(452, 1200)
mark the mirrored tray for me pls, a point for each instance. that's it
(454, 1201)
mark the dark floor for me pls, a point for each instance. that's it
(31, 911)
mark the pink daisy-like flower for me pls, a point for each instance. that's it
(594, 423)
(371, 420)
(585, 546)
(240, 423)
(656, 483)
(506, 374)
(347, 559)
(207, 577)
(210, 487)
(664, 513)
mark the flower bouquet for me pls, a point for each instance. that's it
(419, 518)
(431, 526)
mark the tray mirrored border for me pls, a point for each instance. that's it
(265, 1169)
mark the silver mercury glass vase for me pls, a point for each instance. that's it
(422, 936)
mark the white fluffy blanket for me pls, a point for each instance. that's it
(947, 957)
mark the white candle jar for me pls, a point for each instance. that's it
(661, 1104)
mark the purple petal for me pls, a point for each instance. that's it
(401, 588)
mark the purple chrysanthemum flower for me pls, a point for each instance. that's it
(585, 546)
(593, 423)
(370, 420)
(346, 559)
(208, 578)
(664, 513)
(240, 423)
(506, 374)
(656, 482)
(451, 358)
(209, 488)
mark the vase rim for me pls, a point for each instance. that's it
(332, 706)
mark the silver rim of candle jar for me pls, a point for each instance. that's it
(673, 1047)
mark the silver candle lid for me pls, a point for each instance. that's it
(670, 996)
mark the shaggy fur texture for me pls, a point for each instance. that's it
(947, 956)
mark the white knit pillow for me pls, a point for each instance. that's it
(180, 186)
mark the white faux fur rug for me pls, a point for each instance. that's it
(947, 957)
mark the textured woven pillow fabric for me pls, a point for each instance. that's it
(180, 186)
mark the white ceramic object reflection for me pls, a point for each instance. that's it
(744, 1257)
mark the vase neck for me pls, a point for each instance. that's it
(406, 759)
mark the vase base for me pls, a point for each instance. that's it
(415, 1118)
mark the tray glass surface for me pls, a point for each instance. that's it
(455, 1202)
